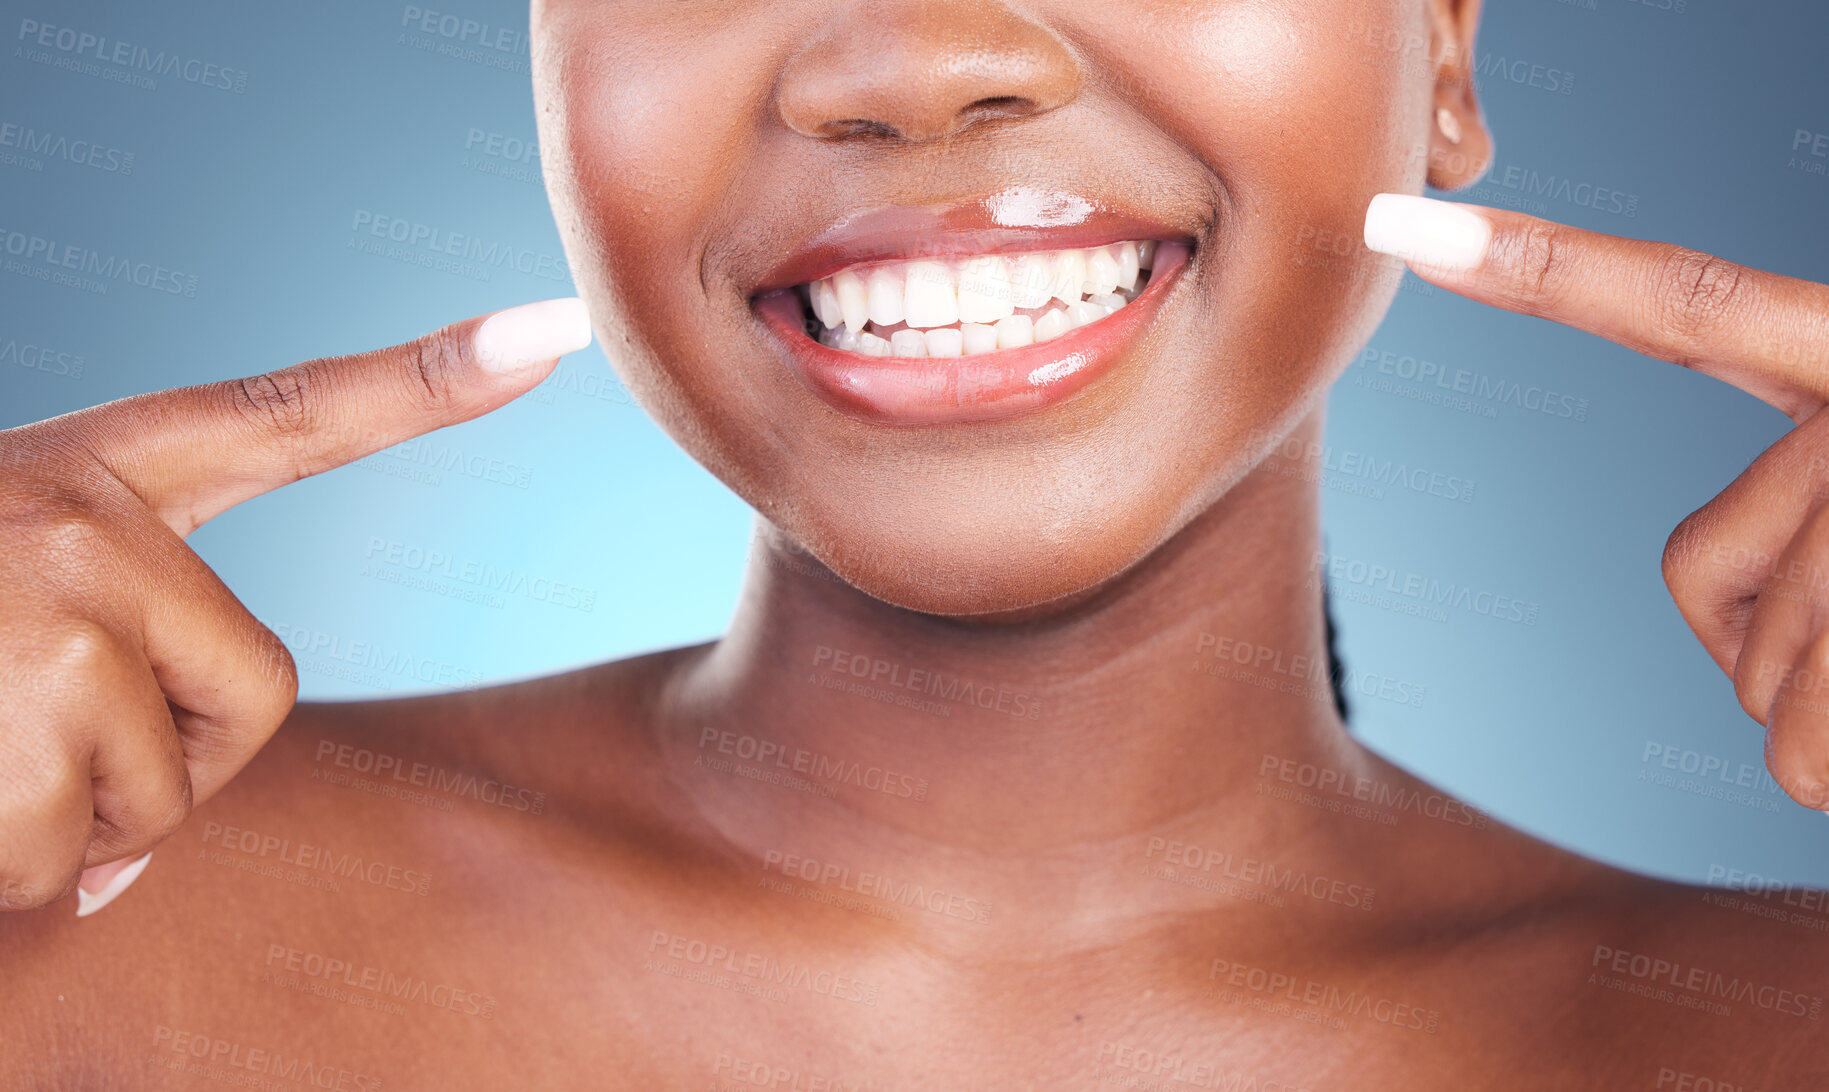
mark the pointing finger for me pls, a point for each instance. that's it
(1764, 333)
(193, 452)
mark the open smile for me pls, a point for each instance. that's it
(970, 335)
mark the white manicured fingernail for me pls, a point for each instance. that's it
(101, 884)
(1426, 231)
(514, 340)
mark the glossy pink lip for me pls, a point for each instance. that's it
(890, 390)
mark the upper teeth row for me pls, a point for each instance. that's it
(934, 292)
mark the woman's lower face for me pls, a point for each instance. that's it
(880, 266)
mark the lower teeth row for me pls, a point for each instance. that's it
(1030, 327)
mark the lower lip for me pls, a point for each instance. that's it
(888, 390)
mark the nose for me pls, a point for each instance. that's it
(921, 71)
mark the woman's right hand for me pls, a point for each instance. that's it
(134, 684)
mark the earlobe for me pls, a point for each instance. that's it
(1460, 145)
(1448, 124)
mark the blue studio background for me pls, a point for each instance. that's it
(248, 185)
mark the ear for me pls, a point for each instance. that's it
(1455, 112)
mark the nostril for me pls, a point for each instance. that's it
(987, 109)
(920, 70)
(1003, 106)
(859, 127)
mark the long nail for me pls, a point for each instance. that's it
(516, 339)
(1438, 234)
(101, 884)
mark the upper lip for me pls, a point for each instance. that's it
(906, 232)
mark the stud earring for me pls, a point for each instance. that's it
(1448, 124)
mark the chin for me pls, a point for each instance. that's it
(961, 547)
(931, 571)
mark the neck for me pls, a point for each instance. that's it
(1112, 717)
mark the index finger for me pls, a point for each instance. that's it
(1766, 334)
(193, 452)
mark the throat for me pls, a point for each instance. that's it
(825, 713)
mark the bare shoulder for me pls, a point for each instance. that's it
(1748, 955)
(365, 835)
(532, 747)
(1548, 962)
(1638, 982)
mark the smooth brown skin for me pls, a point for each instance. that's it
(1093, 543)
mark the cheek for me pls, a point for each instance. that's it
(644, 119)
(1253, 47)
(1288, 101)
(611, 138)
(642, 123)
(1301, 122)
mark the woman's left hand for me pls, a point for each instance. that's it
(1749, 569)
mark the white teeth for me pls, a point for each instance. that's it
(984, 291)
(931, 298)
(850, 289)
(825, 303)
(1101, 271)
(842, 337)
(1029, 282)
(908, 343)
(1051, 325)
(883, 290)
(969, 306)
(1015, 332)
(976, 338)
(1127, 266)
(948, 341)
(1067, 282)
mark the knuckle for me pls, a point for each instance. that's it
(182, 803)
(41, 777)
(37, 889)
(31, 797)
(1794, 753)
(164, 819)
(1540, 258)
(1803, 681)
(77, 648)
(1717, 602)
(1753, 701)
(161, 805)
(1754, 686)
(68, 525)
(280, 672)
(1681, 561)
(1696, 292)
(58, 673)
(1800, 575)
(282, 403)
(436, 366)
